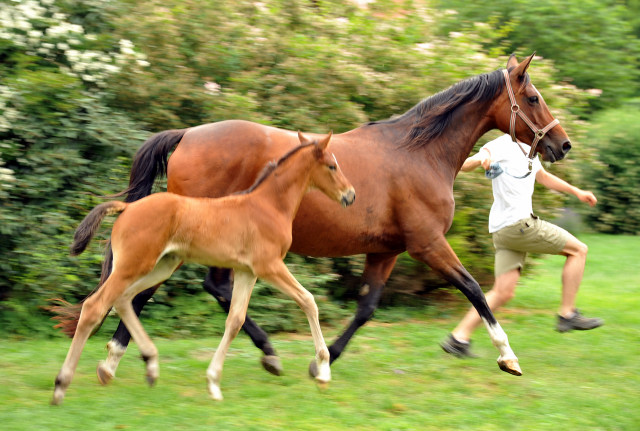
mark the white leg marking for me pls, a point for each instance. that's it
(107, 369)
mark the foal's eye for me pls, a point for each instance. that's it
(332, 167)
(533, 99)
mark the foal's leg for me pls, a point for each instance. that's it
(162, 270)
(376, 272)
(117, 347)
(441, 258)
(242, 287)
(93, 311)
(148, 350)
(283, 280)
(218, 284)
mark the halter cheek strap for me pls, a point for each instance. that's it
(515, 110)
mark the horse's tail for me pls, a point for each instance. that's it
(150, 162)
(68, 314)
(88, 227)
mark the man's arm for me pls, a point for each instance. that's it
(481, 158)
(552, 182)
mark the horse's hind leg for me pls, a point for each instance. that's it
(377, 269)
(218, 284)
(281, 278)
(440, 257)
(242, 287)
(93, 311)
(117, 346)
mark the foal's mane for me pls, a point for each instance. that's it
(270, 167)
(433, 115)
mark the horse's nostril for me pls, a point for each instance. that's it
(566, 146)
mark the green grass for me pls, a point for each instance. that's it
(392, 377)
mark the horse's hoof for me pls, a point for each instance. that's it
(510, 366)
(272, 364)
(104, 374)
(322, 386)
(313, 369)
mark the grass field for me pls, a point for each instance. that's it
(393, 376)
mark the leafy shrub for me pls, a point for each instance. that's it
(613, 171)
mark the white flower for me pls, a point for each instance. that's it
(212, 87)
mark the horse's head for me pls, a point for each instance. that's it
(525, 115)
(326, 174)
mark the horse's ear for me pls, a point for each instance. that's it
(520, 70)
(322, 145)
(303, 139)
(512, 62)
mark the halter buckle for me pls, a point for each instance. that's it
(515, 108)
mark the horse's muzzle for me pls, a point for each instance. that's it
(348, 197)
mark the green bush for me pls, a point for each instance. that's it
(613, 172)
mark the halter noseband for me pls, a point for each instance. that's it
(515, 109)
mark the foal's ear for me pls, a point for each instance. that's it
(322, 145)
(303, 139)
(512, 62)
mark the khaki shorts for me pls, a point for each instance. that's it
(529, 235)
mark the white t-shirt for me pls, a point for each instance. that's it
(511, 196)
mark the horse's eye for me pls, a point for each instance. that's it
(332, 167)
(533, 99)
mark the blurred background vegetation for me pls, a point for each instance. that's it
(84, 83)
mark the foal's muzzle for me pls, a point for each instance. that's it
(348, 197)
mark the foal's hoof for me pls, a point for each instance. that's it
(104, 374)
(151, 380)
(313, 369)
(272, 364)
(58, 396)
(215, 392)
(510, 366)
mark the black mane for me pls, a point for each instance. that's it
(433, 115)
(270, 167)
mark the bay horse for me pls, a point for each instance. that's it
(403, 169)
(249, 233)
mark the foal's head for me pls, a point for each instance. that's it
(326, 174)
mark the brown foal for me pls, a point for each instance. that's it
(248, 232)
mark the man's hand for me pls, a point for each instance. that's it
(587, 197)
(485, 159)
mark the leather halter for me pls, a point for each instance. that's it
(515, 109)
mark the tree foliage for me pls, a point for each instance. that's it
(614, 172)
(592, 42)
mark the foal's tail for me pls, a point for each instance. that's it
(88, 227)
(65, 313)
(149, 163)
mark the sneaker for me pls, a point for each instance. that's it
(577, 322)
(457, 348)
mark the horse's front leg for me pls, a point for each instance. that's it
(218, 284)
(439, 255)
(377, 269)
